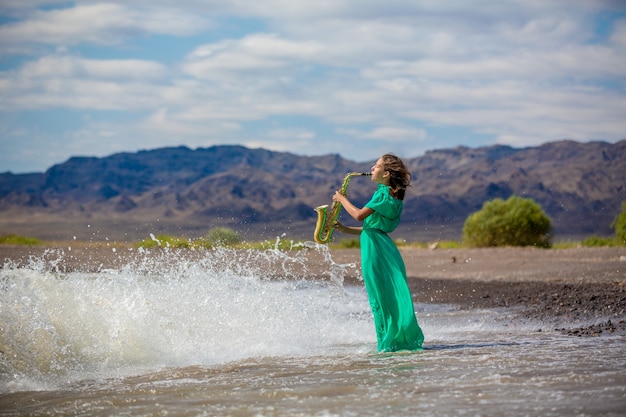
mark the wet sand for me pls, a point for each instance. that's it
(579, 291)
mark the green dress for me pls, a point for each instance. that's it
(384, 274)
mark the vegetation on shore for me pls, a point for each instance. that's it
(517, 221)
(619, 225)
(217, 237)
(514, 222)
(167, 241)
(13, 239)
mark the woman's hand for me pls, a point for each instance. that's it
(345, 229)
(358, 214)
(338, 197)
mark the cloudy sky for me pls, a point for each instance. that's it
(312, 77)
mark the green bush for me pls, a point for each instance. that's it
(348, 243)
(222, 236)
(278, 244)
(619, 224)
(13, 239)
(594, 241)
(449, 244)
(517, 221)
(165, 241)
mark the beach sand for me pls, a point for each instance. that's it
(578, 291)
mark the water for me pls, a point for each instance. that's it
(219, 334)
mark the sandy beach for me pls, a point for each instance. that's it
(579, 291)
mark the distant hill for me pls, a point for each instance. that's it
(264, 194)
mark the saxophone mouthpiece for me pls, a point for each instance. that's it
(366, 173)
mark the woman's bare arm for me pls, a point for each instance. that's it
(358, 214)
(350, 230)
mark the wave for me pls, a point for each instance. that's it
(165, 309)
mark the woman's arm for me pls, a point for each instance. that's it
(351, 230)
(358, 214)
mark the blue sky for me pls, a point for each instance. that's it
(311, 77)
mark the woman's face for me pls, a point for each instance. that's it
(379, 175)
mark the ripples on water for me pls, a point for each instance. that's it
(214, 335)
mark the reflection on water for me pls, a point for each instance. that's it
(213, 336)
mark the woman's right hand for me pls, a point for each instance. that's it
(338, 197)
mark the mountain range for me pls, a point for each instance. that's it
(263, 194)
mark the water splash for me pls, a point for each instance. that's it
(170, 307)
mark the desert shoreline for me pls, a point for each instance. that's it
(577, 291)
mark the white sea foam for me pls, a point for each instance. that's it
(160, 311)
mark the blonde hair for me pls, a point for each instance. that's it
(399, 175)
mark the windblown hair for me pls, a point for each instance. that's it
(399, 175)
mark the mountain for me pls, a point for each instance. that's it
(264, 194)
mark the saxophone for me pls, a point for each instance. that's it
(326, 218)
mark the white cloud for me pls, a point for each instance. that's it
(288, 134)
(99, 23)
(63, 66)
(165, 123)
(618, 37)
(71, 82)
(387, 133)
(318, 75)
(258, 52)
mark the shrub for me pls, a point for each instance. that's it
(619, 224)
(595, 241)
(222, 236)
(449, 244)
(348, 243)
(278, 244)
(165, 241)
(19, 240)
(515, 222)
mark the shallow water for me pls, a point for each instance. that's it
(215, 336)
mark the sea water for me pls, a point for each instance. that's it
(255, 333)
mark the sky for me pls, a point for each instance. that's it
(312, 77)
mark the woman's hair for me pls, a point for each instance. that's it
(399, 175)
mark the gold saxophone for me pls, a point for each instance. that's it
(326, 218)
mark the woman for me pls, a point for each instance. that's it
(382, 266)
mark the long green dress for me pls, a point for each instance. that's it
(384, 274)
